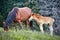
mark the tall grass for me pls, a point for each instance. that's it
(25, 35)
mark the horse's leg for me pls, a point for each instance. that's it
(20, 23)
(51, 29)
(15, 26)
(31, 25)
(41, 28)
(27, 24)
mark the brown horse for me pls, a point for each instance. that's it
(18, 15)
(43, 20)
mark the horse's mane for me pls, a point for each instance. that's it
(13, 10)
(37, 15)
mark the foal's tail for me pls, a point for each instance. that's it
(53, 20)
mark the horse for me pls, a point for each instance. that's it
(17, 15)
(43, 20)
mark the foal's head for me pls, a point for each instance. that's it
(34, 16)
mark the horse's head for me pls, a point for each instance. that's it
(31, 17)
(34, 16)
(6, 27)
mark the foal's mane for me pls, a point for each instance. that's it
(37, 15)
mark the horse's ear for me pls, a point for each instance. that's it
(32, 14)
(3, 22)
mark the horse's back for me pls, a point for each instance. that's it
(26, 10)
(44, 18)
(47, 20)
(23, 13)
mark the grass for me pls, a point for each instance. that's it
(25, 35)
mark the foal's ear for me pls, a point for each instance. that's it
(32, 14)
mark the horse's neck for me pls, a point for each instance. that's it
(41, 16)
(36, 18)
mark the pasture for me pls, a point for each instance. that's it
(12, 11)
(25, 35)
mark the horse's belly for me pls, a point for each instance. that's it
(44, 21)
(24, 18)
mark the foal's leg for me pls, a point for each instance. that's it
(51, 29)
(20, 23)
(41, 28)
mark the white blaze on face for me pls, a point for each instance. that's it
(30, 18)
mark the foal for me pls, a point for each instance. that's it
(43, 20)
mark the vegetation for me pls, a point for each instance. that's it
(7, 5)
(25, 35)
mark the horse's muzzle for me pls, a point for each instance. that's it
(6, 29)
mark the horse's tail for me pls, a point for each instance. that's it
(11, 16)
(53, 20)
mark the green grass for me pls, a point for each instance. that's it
(25, 35)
